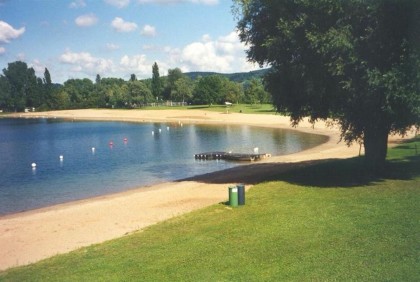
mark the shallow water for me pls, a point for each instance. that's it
(141, 154)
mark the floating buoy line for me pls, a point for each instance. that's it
(110, 143)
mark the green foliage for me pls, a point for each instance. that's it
(210, 90)
(233, 92)
(23, 90)
(357, 62)
(80, 93)
(44, 95)
(255, 92)
(173, 76)
(156, 81)
(5, 93)
(322, 230)
(139, 94)
(182, 90)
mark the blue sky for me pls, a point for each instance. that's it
(115, 38)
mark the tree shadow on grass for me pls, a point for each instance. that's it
(352, 172)
(345, 173)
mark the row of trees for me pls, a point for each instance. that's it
(20, 89)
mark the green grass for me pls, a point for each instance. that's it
(235, 108)
(329, 221)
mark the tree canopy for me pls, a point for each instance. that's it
(156, 82)
(354, 62)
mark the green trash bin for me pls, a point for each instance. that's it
(233, 196)
(241, 194)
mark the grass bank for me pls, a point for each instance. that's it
(234, 108)
(328, 221)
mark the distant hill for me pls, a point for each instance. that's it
(237, 77)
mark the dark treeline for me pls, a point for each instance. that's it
(21, 89)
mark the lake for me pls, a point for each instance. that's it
(99, 158)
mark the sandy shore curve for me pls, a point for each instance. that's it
(31, 236)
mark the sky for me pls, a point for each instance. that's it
(117, 38)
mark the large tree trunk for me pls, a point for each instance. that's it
(376, 145)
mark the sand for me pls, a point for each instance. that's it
(31, 236)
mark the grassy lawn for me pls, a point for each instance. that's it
(235, 108)
(329, 221)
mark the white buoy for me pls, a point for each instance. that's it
(61, 157)
(33, 165)
(160, 130)
(93, 150)
(153, 133)
(167, 128)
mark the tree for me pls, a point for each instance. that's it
(33, 89)
(355, 62)
(173, 76)
(5, 93)
(98, 79)
(133, 77)
(156, 82)
(23, 85)
(48, 90)
(233, 91)
(81, 93)
(210, 90)
(255, 92)
(140, 94)
(182, 89)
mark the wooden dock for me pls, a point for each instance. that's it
(230, 156)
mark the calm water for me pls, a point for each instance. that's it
(143, 159)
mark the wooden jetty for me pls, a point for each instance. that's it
(230, 156)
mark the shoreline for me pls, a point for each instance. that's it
(33, 235)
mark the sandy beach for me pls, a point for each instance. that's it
(31, 236)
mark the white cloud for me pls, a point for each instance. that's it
(206, 38)
(150, 47)
(21, 57)
(206, 2)
(38, 67)
(164, 2)
(77, 4)
(224, 54)
(2, 50)
(86, 20)
(136, 63)
(122, 26)
(7, 32)
(86, 63)
(140, 65)
(230, 43)
(112, 46)
(149, 31)
(204, 57)
(118, 3)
